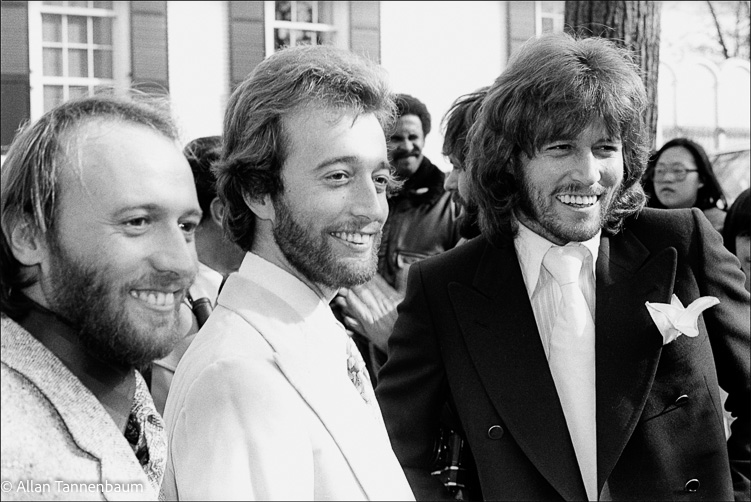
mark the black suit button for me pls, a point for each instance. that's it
(495, 432)
(692, 486)
(682, 399)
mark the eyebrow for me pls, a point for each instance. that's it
(347, 159)
(155, 208)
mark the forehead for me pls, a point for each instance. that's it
(112, 163)
(409, 124)
(318, 136)
(676, 155)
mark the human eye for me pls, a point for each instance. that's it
(136, 225)
(382, 182)
(188, 227)
(557, 148)
(609, 149)
(337, 177)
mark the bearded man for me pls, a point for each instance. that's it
(271, 401)
(580, 340)
(98, 215)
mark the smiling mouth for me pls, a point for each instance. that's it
(578, 201)
(154, 299)
(355, 239)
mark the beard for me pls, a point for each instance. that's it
(92, 301)
(539, 210)
(313, 256)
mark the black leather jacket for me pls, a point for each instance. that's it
(422, 222)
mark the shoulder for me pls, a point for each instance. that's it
(456, 261)
(671, 226)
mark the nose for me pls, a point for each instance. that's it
(587, 169)
(368, 203)
(451, 183)
(174, 252)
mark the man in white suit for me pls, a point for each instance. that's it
(270, 402)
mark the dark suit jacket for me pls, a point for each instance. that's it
(466, 332)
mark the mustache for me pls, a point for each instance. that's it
(403, 154)
(164, 281)
(579, 189)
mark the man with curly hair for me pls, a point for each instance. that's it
(559, 339)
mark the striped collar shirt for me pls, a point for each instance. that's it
(544, 293)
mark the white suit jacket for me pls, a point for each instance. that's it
(261, 406)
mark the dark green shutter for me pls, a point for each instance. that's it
(149, 58)
(14, 64)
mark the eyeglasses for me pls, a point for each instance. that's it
(677, 173)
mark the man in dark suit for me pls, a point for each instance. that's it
(598, 386)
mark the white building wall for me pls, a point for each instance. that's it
(198, 65)
(437, 51)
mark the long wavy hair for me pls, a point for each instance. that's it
(30, 177)
(554, 87)
(255, 142)
(708, 196)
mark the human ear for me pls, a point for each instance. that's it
(262, 207)
(27, 242)
(216, 211)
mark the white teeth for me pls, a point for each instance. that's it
(579, 200)
(157, 298)
(353, 237)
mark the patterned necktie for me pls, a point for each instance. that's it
(145, 433)
(572, 358)
(358, 375)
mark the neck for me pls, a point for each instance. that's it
(267, 249)
(216, 251)
(113, 385)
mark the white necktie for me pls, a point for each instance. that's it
(572, 358)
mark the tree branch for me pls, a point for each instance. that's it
(720, 38)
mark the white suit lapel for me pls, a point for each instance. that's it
(353, 428)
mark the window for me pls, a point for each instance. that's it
(72, 50)
(290, 23)
(550, 17)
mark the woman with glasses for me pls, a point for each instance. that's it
(680, 176)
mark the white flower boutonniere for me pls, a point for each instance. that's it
(674, 320)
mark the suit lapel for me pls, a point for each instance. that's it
(500, 331)
(628, 344)
(283, 329)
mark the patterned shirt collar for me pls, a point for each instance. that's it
(145, 434)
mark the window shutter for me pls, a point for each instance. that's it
(14, 61)
(365, 29)
(149, 70)
(246, 39)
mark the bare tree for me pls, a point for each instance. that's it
(632, 24)
(732, 20)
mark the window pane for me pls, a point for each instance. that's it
(102, 64)
(283, 11)
(77, 91)
(307, 38)
(102, 30)
(281, 38)
(77, 30)
(78, 64)
(52, 28)
(326, 12)
(52, 62)
(78, 4)
(104, 90)
(53, 96)
(304, 12)
(553, 7)
(103, 5)
(547, 25)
